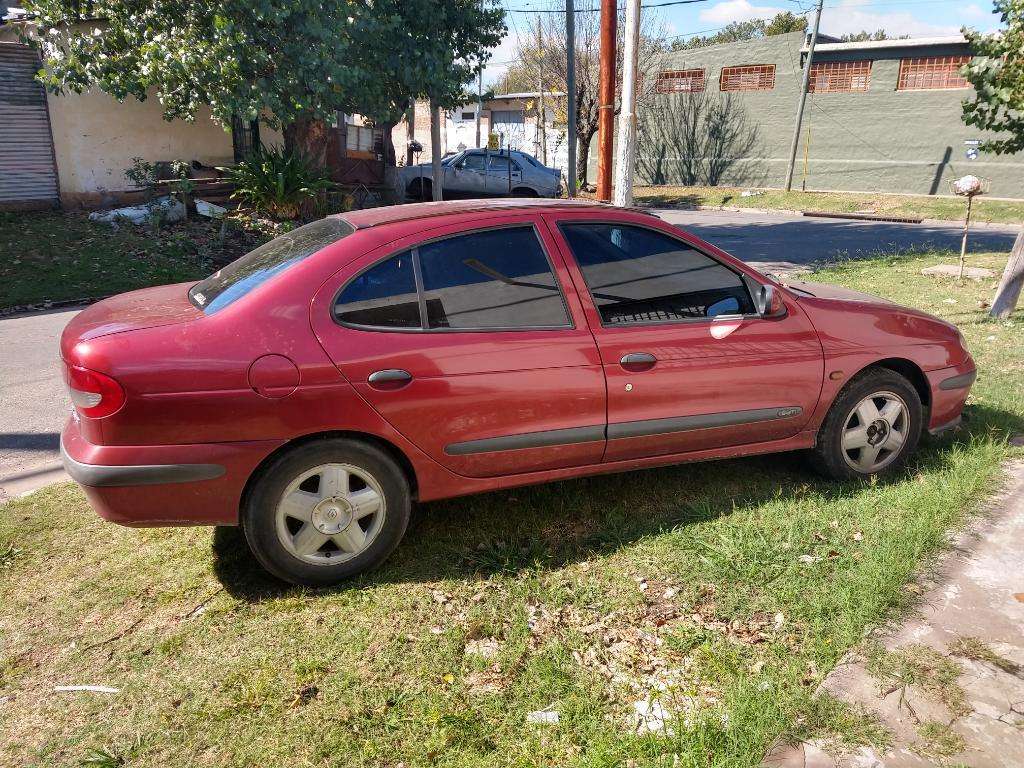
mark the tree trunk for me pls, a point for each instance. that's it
(583, 155)
(410, 116)
(388, 147)
(308, 136)
(435, 151)
(1013, 279)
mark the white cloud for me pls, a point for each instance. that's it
(737, 10)
(848, 17)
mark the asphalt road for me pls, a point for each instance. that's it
(33, 404)
(772, 241)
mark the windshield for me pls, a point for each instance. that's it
(246, 273)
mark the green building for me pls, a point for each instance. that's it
(880, 116)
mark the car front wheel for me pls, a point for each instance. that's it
(872, 428)
(327, 511)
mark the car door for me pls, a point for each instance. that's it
(471, 342)
(467, 176)
(503, 174)
(688, 362)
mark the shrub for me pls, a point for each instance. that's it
(277, 182)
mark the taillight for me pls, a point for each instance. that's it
(93, 394)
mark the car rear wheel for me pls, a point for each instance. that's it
(421, 189)
(524, 192)
(872, 428)
(327, 511)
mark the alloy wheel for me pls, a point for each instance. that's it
(875, 431)
(330, 513)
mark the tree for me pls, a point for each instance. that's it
(997, 75)
(522, 76)
(738, 31)
(864, 36)
(293, 63)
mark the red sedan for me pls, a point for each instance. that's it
(311, 390)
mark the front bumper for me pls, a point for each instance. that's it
(949, 389)
(163, 484)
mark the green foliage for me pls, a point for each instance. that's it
(737, 31)
(998, 79)
(277, 182)
(282, 60)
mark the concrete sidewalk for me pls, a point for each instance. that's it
(948, 684)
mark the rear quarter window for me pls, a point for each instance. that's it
(243, 275)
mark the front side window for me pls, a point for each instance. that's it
(493, 279)
(637, 275)
(498, 278)
(474, 162)
(258, 266)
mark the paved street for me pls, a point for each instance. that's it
(33, 404)
(784, 241)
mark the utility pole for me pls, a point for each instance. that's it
(570, 95)
(803, 96)
(542, 134)
(606, 101)
(479, 93)
(627, 118)
(479, 102)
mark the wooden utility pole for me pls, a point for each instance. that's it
(542, 134)
(570, 95)
(436, 172)
(606, 101)
(1013, 278)
(410, 115)
(803, 97)
(626, 154)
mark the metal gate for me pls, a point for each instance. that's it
(28, 175)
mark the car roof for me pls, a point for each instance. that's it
(376, 217)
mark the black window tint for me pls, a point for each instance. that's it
(494, 279)
(246, 273)
(383, 296)
(636, 275)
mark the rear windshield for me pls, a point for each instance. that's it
(252, 270)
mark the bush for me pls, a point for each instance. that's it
(277, 182)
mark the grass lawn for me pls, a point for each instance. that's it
(721, 593)
(52, 257)
(951, 208)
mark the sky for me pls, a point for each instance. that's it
(917, 18)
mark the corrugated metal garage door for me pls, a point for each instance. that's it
(27, 174)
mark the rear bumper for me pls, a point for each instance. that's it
(162, 484)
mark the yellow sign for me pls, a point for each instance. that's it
(493, 141)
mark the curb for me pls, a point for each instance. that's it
(24, 483)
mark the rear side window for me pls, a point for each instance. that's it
(498, 278)
(257, 267)
(488, 280)
(637, 275)
(384, 296)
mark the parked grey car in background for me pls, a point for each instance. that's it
(485, 173)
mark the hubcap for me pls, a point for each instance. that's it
(874, 432)
(330, 513)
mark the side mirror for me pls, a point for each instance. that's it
(768, 302)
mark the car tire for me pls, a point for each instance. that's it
(873, 426)
(298, 517)
(524, 192)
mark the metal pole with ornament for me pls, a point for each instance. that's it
(969, 187)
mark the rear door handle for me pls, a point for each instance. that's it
(389, 378)
(638, 361)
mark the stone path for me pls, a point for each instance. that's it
(962, 653)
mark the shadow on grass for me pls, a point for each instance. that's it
(547, 526)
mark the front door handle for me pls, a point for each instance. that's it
(638, 361)
(389, 378)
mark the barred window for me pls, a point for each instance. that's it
(932, 72)
(839, 76)
(680, 81)
(753, 77)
